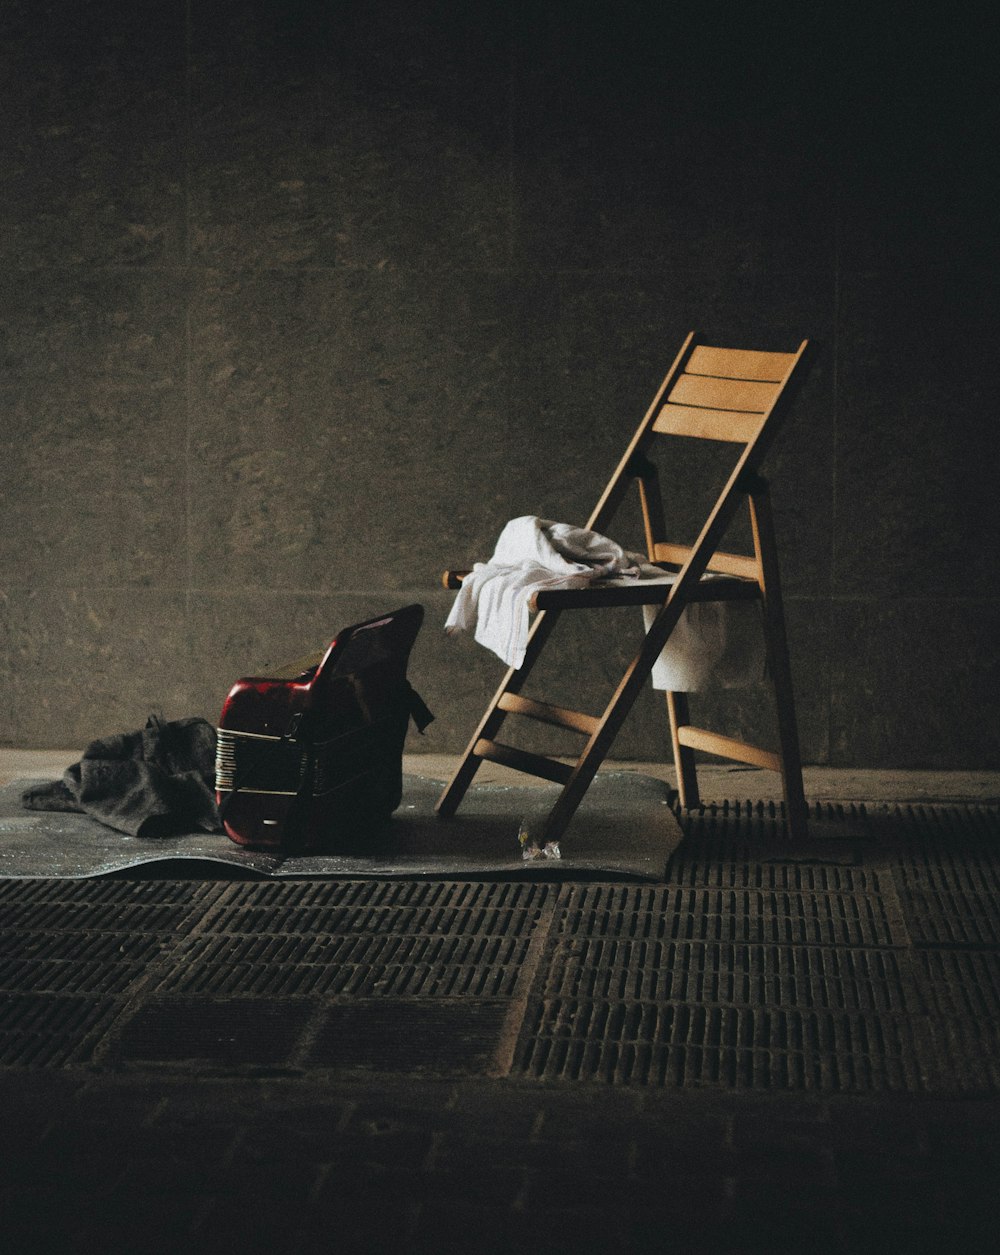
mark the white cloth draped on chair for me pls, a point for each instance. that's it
(716, 644)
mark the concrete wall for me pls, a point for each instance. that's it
(301, 300)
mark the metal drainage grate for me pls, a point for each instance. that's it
(55, 913)
(39, 1030)
(961, 983)
(71, 949)
(91, 937)
(947, 866)
(779, 916)
(30, 947)
(684, 1045)
(938, 867)
(103, 891)
(228, 1032)
(956, 918)
(973, 1052)
(400, 1036)
(806, 978)
(794, 985)
(423, 907)
(947, 848)
(696, 870)
(746, 845)
(748, 827)
(439, 1038)
(106, 975)
(362, 940)
(289, 966)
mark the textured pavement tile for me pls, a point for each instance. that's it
(502, 1186)
(166, 1176)
(756, 1227)
(404, 1150)
(245, 1226)
(792, 1168)
(687, 1196)
(597, 1159)
(47, 1175)
(598, 1227)
(559, 1186)
(132, 1105)
(355, 1227)
(550, 1230)
(581, 1117)
(658, 1159)
(362, 1186)
(891, 1129)
(456, 1227)
(780, 1136)
(891, 1231)
(708, 1134)
(75, 1140)
(509, 1111)
(665, 1230)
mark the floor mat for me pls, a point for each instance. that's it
(625, 827)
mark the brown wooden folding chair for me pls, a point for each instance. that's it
(735, 395)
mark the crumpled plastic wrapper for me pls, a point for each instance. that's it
(530, 849)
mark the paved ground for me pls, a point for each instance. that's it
(183, 1162)
(770, 1051)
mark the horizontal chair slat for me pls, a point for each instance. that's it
(522, 760)
(727, 747)
(723, 394)
(724, 563)
(688, 420)
(739, 363)
(559, 716)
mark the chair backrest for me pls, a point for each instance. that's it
(724, 394)
(735, 395)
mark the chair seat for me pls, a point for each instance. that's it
(653, 592)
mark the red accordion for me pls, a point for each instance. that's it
(310, 757)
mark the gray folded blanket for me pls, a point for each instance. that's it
(154, 782)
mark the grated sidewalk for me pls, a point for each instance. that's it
(774, 1049)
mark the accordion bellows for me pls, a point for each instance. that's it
(310, 757)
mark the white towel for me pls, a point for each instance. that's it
(533, 553)
(715, 644)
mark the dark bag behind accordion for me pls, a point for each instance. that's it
(310, 758)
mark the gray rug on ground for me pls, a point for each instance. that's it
(624, 827)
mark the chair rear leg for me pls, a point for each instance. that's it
(796, 807)
(684, 764)
(762, 523)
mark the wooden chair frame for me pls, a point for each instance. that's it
(739, 396)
